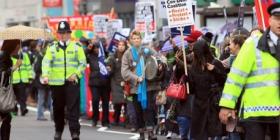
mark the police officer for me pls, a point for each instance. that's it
(22, 76)
(62, 67)
(254, 80)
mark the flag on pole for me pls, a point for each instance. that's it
(261, 13)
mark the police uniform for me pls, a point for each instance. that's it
(254, 78)
(21, 79)
(61, 61)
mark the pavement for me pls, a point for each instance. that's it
(28, 128)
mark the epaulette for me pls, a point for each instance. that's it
(54, 43)
(78, 44)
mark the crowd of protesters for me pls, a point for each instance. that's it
(120, 75)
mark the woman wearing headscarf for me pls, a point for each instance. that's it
(209, 71)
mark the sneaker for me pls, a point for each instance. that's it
(75, 136)
(168, 136)
(57, 136)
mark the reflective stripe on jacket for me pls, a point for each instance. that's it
(58, 65)
(24, 72)
(257, 73)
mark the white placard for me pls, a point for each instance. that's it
(162, 9)
(179, 13)
(125, 31)
(100, 24)
(113, 26)
(145, 20)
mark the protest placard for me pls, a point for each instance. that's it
(179, 13)
(115, 40)
(162, 9)
(100, 25)
(145, 20)
(113, 26)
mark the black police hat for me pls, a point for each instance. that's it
(274, 9)
(63, 27)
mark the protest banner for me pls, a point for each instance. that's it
(114, 26)
(80, 26)
(100, 25)
(145, 20)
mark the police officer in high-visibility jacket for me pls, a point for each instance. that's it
(254, 81)
(22, 76)
(62, 67)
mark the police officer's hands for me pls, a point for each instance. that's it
(72, 78)
(225, 114)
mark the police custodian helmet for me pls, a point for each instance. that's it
(274, 9)
(63, 27)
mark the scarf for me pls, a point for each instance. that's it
(142, 87)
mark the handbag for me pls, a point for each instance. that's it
(161, 97)
(7, 96)
(177, 91)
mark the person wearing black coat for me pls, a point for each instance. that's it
(44, 93)
(99, 85)
(6, 65)
(207, 77)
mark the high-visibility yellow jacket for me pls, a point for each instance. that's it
(255, 72)
(24, 72)
(58, 65)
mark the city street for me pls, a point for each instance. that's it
(28, 128)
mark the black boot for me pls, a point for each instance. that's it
(151, 136)
(142, 134)
(57, 136)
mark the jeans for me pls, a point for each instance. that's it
(104, 94)
(131, 113)
(44, 101)
(184, 125)
(146, 117)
